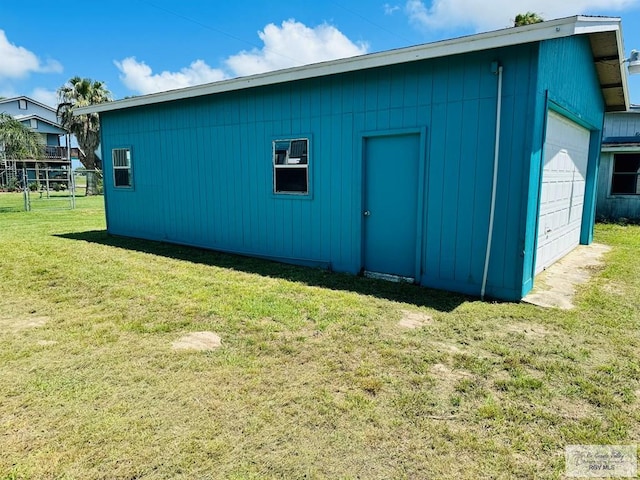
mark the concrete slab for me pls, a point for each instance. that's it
(556, 286)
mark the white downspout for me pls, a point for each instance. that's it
(494, 184)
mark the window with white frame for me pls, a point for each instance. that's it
(33, 123)
(122, 167)
(22, 104)
(625, 179)
(291, 166)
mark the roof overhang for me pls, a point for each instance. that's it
(606, 43)
(608, 57)
(22, 118)
(621, 147)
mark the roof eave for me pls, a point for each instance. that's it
(563, 27)
(624, 78)
(24, 97)
(41, 119)
(621, 147)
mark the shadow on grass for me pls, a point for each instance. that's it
(398, 292)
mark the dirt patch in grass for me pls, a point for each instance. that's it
(446, 396)
(529, 330)
(574, 409)
(22, 323)
(447, 347)
(614, 288)
(413, 320)
(199, 341)
(447, 375)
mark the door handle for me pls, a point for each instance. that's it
(367, 213)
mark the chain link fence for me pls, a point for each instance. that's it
(51, 188)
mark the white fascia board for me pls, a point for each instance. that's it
(624, 73)
(563, 27)
(585, 24)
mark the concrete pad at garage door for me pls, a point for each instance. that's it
(556, 286)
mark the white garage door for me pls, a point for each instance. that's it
(566, 155)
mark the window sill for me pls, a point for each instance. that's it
(292, 196)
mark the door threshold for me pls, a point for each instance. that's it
(389, 277)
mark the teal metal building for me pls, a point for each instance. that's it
(467, 165)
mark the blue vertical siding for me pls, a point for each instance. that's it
(517, 110)
(203, 172)
(460, 162)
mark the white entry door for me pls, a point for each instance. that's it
(566, 156)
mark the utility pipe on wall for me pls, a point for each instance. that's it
(494, 184)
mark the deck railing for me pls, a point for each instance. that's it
(55, 152)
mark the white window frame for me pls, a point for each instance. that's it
(22, 104)
(33, 123)
(116, 163)
(282, 160)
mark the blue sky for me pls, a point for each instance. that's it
(143, 46)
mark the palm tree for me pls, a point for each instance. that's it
(528, 18)
(82, 92)
(17, 141)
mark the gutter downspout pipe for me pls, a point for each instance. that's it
(496, 69)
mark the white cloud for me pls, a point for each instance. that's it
(294, 44)
(291, 44)
(390, 9)
(139, 77)
(18, 62)
(42, 95)
(452, 14)
(7, 92)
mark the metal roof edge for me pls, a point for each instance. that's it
(620, 147)
(563, 27)
(46, 120)
(20, 97)
(621, 140)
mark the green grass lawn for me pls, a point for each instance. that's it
(314, 379)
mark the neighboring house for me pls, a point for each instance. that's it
(41, 119)
(619, 178)
(383, 163)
